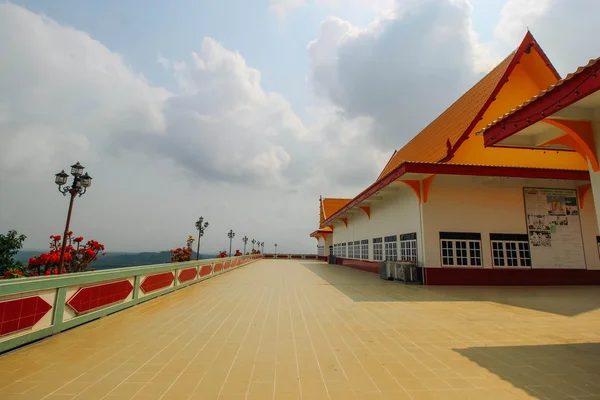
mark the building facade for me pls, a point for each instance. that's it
(473, 213)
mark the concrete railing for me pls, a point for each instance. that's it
(33, 308)
(296, 256)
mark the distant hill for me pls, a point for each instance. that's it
(118, 259)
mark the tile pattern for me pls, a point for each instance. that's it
(188, 274)
(282, 329)
(19, 314)
(157, 281)
(94, 297)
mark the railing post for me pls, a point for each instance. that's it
(136, 286)
(59, 309)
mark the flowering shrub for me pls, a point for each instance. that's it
(238, 253)
(182, 254)
(78, 256)
(222, 254)
(13, 272)
(255, 251)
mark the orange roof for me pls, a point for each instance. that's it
(442, 136)
(330, 207)
(547, 91)
(430, 144)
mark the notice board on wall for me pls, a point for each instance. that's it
(554, 228)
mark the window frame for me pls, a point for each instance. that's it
(407, 243)
(390, 248)
(468, 243)
(378, 249)
(521, 250)
(364, 249)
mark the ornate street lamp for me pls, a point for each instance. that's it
(230, 235)
(275, 248)
(262, 246)
(253, 241)
(200, 227)
(245, 240)
(80, 184)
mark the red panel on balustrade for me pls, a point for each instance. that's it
(187, 274)
(296, 257)
(19, 314)
(218, 267)
(205, 270)
(227, 264)
(158, 281)
(98, 296)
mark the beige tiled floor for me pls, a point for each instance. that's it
(300, 330)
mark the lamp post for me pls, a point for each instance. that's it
(200, 227)
(262, 246)
(275, 248)
(230, 235)
(245, 240)
(253, 241)
(80, 184)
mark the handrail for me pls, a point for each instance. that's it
(36, 307)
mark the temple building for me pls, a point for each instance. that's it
(495, 191)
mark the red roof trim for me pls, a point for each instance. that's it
(460, 169)
(528, 40)
(563, 92)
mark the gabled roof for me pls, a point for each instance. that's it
(330, 206)
(444, 135)
(564, 92)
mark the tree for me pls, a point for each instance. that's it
(10, 244)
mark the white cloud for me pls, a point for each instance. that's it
(220, 143)
(400, 71)
(517, 15)
(284, 7)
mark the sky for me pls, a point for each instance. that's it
(243, 112)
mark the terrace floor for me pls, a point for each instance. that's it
(279, 329)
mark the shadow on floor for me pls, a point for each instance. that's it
(545, 371)
(364, 286)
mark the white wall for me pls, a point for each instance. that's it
(325, 243)
(491, 205)
(397, 213)
(595, 176)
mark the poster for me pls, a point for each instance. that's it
(554, 228)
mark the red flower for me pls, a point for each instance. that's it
(78, 239)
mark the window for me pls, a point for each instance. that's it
(343, 251)
(357, 249)
(460, 249)
(408, 247)
(336, 249)
(510, 250)
(320, 250)
(378, 249)
(350, 250)
(364, 249)
(391, 248)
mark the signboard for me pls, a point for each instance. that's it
(554, 228)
